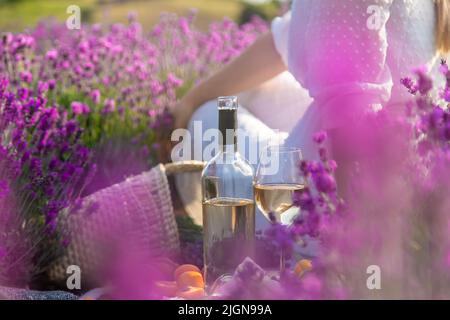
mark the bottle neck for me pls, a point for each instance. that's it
(228, 128)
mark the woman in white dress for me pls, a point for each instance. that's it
(336, 50)
(343, 53)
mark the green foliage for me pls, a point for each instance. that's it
(266, 11)
(189, 231)
(16, 15)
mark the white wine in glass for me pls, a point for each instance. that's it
(277, 199)
(277, 179)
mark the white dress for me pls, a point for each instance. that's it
(334, 49)
(339, 49)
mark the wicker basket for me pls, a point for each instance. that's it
(184, 167)
(140, 208)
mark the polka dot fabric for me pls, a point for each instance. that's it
(356, 47)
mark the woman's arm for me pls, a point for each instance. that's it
(259, 63)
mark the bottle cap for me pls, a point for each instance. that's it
(227, 103)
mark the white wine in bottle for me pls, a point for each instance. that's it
(228, 203)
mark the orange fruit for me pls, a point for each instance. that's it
(190, 279)
(166, 288)
(191, 293)
(303, 266)
(184, 268)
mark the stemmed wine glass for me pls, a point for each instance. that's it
(277, 178)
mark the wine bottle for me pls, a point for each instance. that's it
(228, 202)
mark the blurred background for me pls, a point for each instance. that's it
(16, 15)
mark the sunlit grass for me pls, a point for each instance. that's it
(150, 10)
(16, 15)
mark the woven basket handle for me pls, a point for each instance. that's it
(183, 167)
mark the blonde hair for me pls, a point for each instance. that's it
(443, 25)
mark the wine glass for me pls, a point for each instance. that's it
(277, 178)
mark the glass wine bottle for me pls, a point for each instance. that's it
(228, 202)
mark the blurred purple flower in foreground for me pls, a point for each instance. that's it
(397, 210)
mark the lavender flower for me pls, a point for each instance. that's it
(95, 96)
(58, 96)
(110, 106)
(79, 108)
